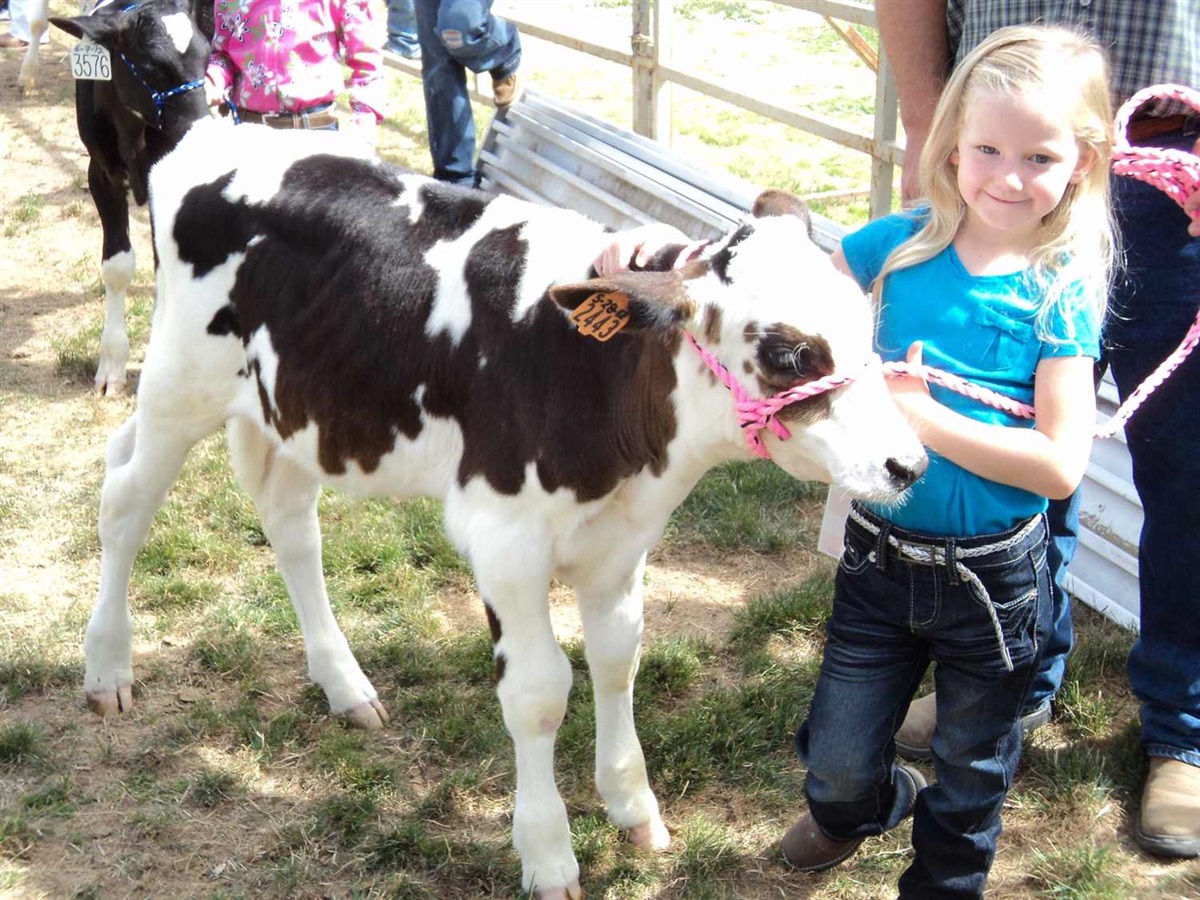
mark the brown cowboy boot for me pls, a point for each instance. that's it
(505, 91)
(807, 848)
(1169, 824)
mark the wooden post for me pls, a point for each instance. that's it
(664, 90)
(886, 106)
(642, 44)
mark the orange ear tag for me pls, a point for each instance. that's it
(601, 316)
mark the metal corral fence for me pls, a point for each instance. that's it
(650, 60)
(612, 169)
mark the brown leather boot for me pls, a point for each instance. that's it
(1169, 824)
(807, 848)
(916, 733)
(505, 91)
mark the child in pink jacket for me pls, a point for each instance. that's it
(279, 62)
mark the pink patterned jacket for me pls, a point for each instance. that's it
(273, 56)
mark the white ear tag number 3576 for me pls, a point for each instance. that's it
(91, 62)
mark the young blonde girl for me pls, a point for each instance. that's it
(1000, 279)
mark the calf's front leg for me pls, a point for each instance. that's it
(612, 616)
(117, 267)
(534, 679)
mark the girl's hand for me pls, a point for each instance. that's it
(911, 392)
(636, 247)
(213, 94)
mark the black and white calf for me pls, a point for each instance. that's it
(157, 51)
(361, 327)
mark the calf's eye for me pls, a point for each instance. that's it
(791, 361)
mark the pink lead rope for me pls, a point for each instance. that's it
(1175, 172)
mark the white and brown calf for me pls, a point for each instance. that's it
(361, 327)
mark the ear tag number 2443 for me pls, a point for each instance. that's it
(91, 62)
(600, 316)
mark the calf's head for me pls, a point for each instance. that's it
(158, 52)
(766, 305)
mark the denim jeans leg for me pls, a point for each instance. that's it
(477, 39)
(871, 666)
(977, 744)
(1150, 313)
(402, 27)
(447, 104)
(1062, 517)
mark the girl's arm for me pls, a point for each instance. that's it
(1048, 460)
(220, 72)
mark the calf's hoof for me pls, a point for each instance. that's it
(369, 716)
(652, 835)
(110, 703)
(110, 387)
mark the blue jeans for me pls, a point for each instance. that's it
(891, 617)
(402, 28)
(1150, 313)
(457, 35)
(1062, 519)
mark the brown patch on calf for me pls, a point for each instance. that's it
(814, 360)
(494, 627)
(711, 324)
(493, 622)
(774, 202)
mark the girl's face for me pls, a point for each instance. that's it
(1016, 154)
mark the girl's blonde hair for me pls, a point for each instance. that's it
(1077, 239)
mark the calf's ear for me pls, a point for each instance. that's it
(656, 301)
(774, 202)
(101, 29)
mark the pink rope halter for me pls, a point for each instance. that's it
(755, 414)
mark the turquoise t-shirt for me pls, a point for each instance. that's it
(981, 328)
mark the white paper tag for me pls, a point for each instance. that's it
(832, 539)
(91, 62)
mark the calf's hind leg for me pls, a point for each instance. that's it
(143, 459)
(286, 498)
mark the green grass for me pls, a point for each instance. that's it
(749, 506)
(22, 744)
(1082, 872)
(20, 217)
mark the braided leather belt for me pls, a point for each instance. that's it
(322, 118)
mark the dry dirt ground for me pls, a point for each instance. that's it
(52, 433)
